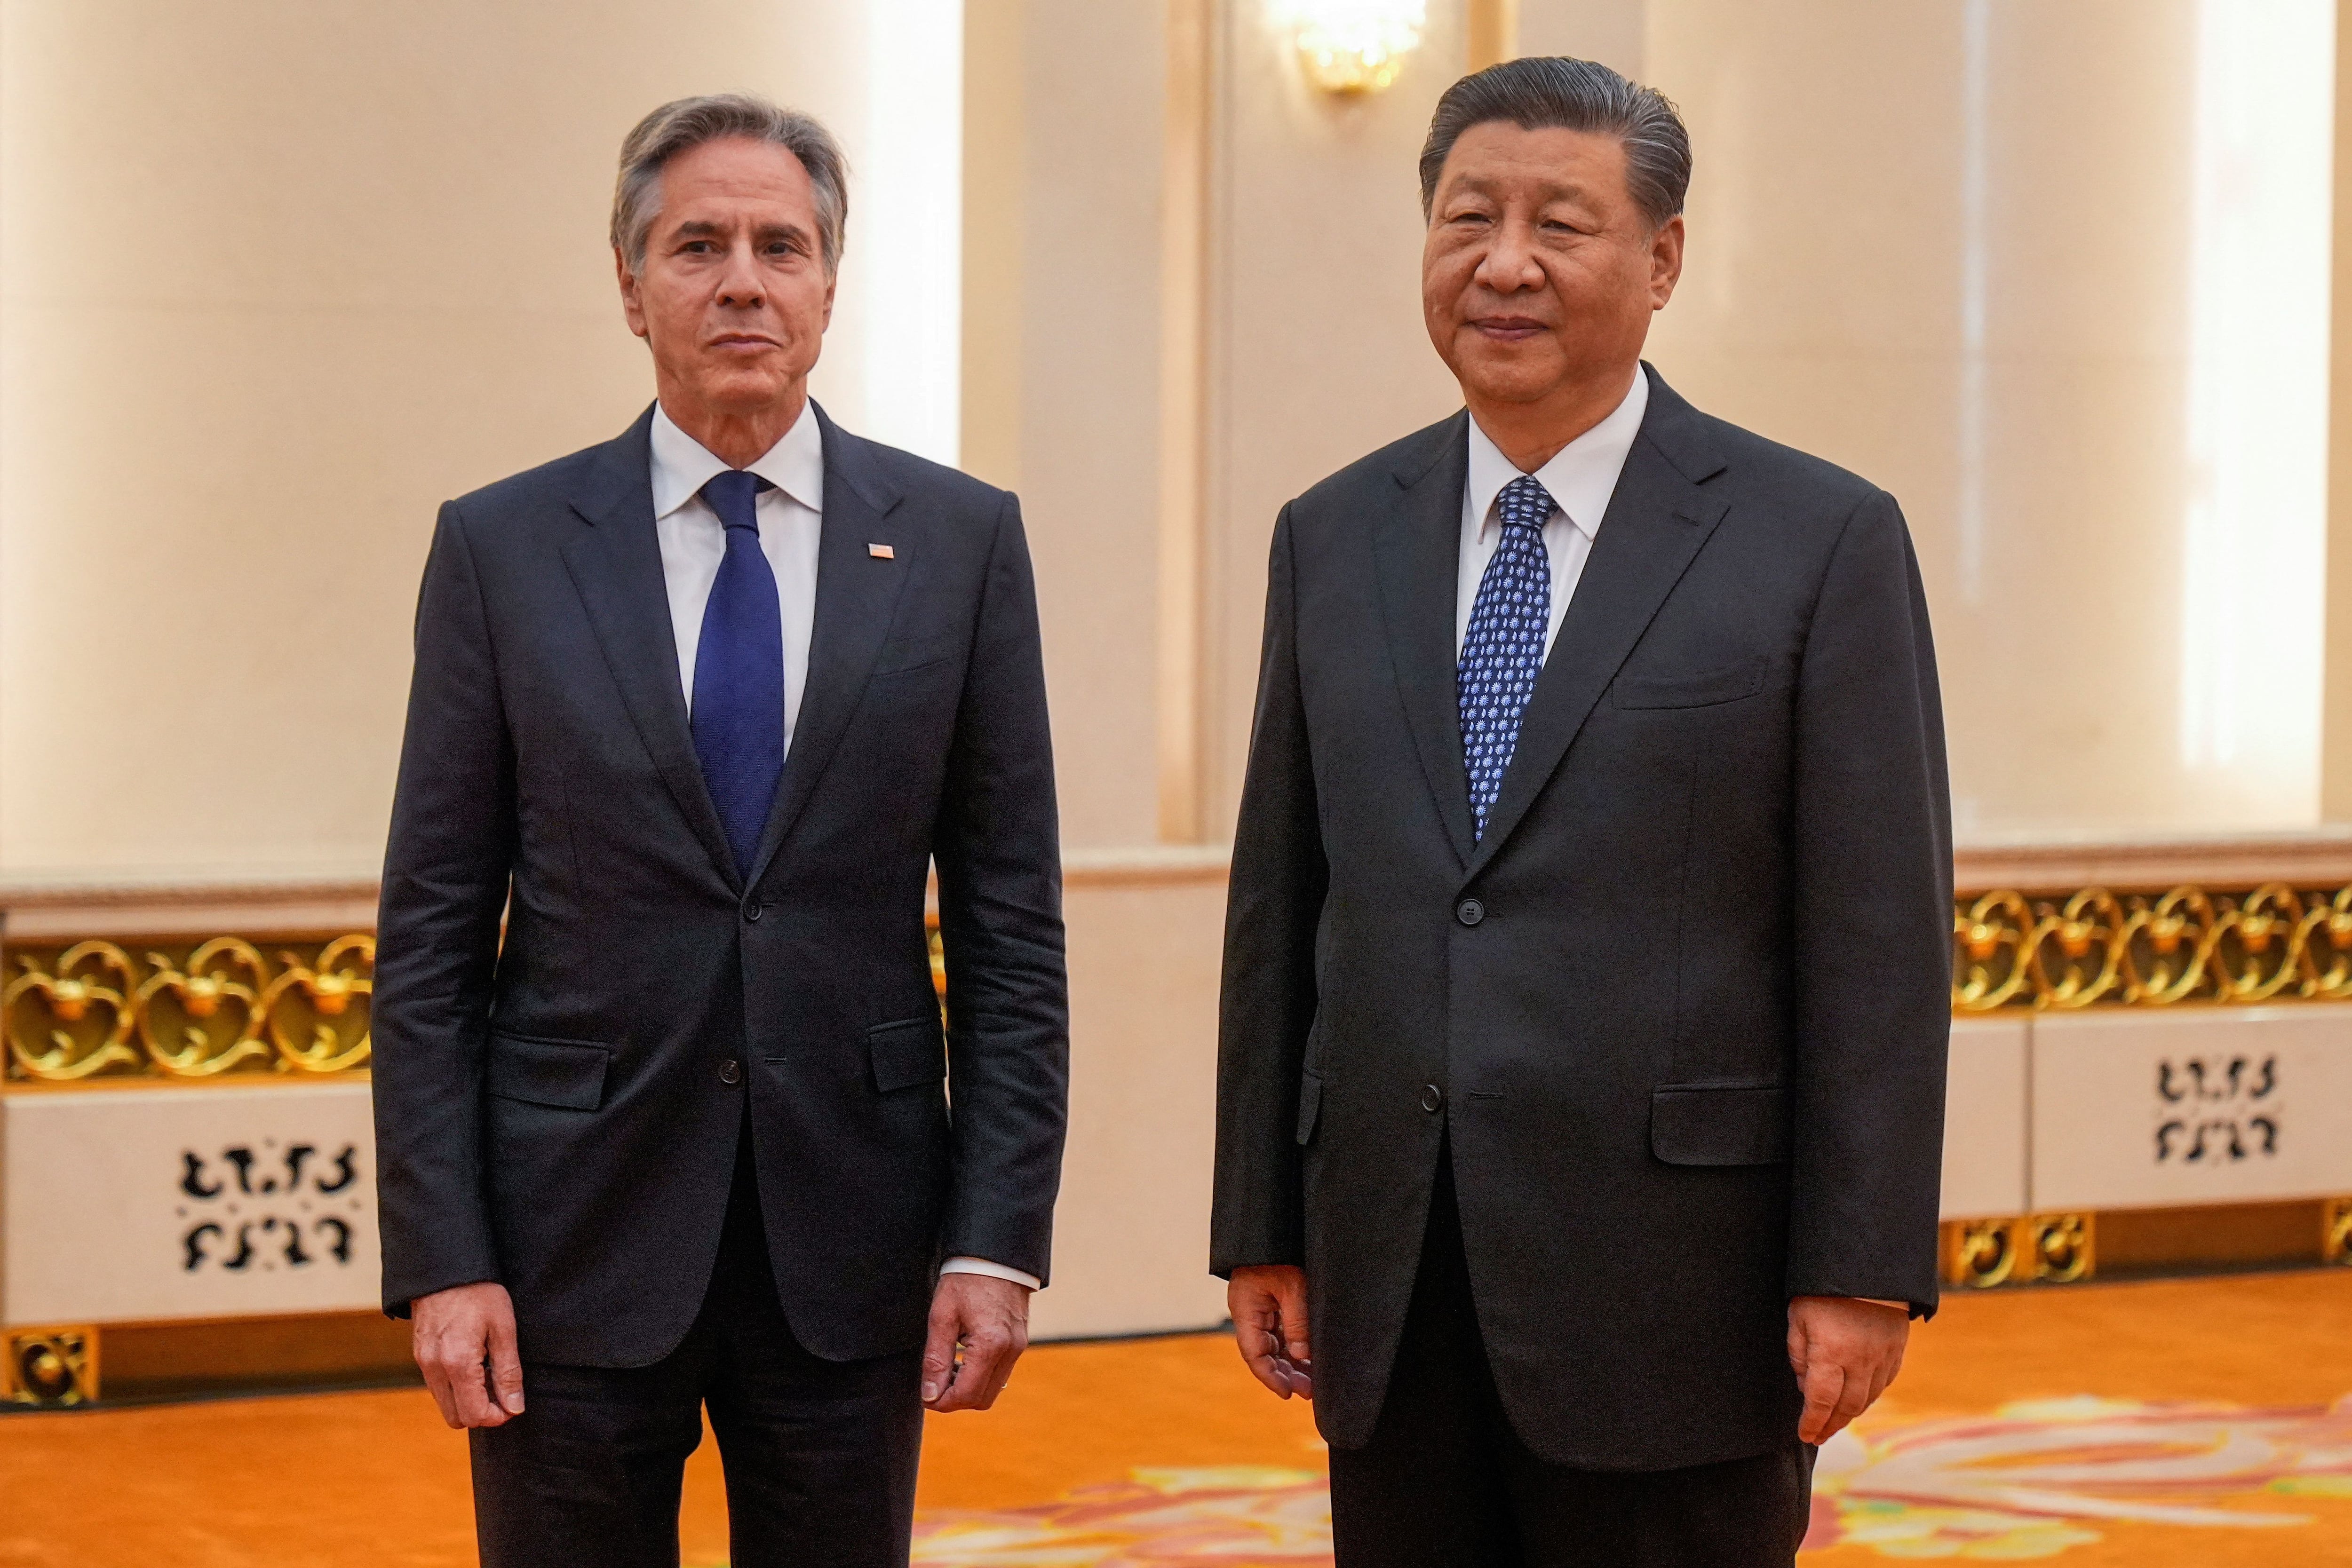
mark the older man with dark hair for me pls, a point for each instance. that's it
(1587, 967)
(695, 714)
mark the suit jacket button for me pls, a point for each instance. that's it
(1431, 1097)
(1469, 912)
(731, 1071)
(752, 908)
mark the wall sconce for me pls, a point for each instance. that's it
(1349, 46)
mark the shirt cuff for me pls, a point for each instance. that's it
(994, 1270)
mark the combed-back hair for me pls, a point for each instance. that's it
(690, 123)
(1546, 90)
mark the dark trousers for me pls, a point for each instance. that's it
(1445, 1483)
(820, 1455)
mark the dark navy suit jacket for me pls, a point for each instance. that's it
(559, 1111)
(1680, 1016)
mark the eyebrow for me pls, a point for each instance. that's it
(1553, 190)
(705, 229)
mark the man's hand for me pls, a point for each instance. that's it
(1268, 1302)
(1845, 1352)
(980, 1326)
(454, 1333)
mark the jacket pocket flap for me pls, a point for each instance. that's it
(1720, 1124)
(1703, 689)
(1311, 1104)
(569, 1074)
(907, 1053)
(905, 657)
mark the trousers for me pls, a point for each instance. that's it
(1445, 1483)
(820, 1456)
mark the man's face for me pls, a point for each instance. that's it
(733, 295)
(1539, 272)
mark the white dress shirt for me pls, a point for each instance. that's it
(1580, 478)
(693, 541)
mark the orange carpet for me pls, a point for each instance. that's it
(2174, 1422)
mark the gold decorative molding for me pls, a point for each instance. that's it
(1980, 1253)
(185, 1011)
(48, 1368)
(2094, 947)
(2048, 1248)
(2336, 1231)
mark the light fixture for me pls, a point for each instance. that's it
(1351, 46)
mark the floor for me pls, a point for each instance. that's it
(2204, 1422)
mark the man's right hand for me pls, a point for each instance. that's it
(1268, 1302)
(464, 1339)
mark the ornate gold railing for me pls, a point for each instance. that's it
(2097, 948)
(179, 1010)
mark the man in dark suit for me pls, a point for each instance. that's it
(1582, 1070)
(696, 712)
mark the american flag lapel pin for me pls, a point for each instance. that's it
(882, 552)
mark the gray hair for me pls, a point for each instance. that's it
(1543, 91)
(690, 123)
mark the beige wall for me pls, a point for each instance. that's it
(1131, 1232)
(1061, 369)
(1317, 355)
(2047, 463)
(275, 279)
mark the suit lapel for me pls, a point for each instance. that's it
(856, 596)
(1657, 519)
(617, 566)
(1418, 546)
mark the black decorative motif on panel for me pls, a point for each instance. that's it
(259, 1208)
(2216, 1111)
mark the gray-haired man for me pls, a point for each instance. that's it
(1583, 1069)
(696, 711)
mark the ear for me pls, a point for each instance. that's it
(832, 285)
(632, 309)
(1665, 261)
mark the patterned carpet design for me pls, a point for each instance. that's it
(2031, 1480)
(2186, 1424)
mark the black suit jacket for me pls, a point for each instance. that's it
(559, 1113)
(1683, 1010)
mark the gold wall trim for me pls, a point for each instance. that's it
(2099, 948)
(2044, 1248)
(180, 1012)
(2057, 1248)
(48, 1368)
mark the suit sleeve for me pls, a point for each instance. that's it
(1873, 847)
(1272, 907)
(446, 865)
(998, 850)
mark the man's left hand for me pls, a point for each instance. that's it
(980, 1326)
(1845, 1352)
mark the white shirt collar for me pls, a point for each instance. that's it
(682, 466)
(1581, 477)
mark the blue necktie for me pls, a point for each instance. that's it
(1502, 650)
(738, 672)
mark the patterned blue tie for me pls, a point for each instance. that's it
(738, 672)
(1503, 652)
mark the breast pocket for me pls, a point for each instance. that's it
(1702, 688)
